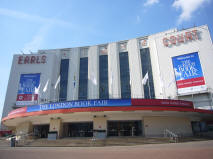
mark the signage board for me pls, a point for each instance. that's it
(28, 84)
(188, 73)
(80, 104)
(180, 38)
(32, 59)
(127, 104)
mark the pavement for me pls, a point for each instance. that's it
(189, 150)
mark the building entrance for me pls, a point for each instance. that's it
(41, 131)
(124, 128)
(84, 129)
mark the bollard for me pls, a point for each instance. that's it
(13, 142)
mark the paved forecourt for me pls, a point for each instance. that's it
(190, 150)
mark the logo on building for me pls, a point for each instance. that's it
(32, 59)
(180, 38)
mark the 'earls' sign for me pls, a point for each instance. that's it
(180, 38)
(32, 59)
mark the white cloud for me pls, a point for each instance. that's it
(46, 24)
(138, 19)
(34, 18)
(188, 7)
(37, 39)
(150, 2)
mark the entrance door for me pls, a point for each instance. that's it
(41, 131)
(124, 128)
(78, 129)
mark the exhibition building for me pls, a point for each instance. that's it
(136, 87)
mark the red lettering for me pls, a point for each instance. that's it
(188, 36)
(195, 34)
(26, 60)
(32, 60)
(20, 60)
(43, 59)
(165, 42)
(37, 59)
(180, 38)
(173, 40)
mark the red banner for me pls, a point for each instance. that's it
(190, 82)
(161, 102)
(27, 97)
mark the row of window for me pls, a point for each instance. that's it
(103, 76)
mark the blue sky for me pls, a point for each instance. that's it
(27, 25)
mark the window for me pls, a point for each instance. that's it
(103, 77)
(124, 75)
(149, 91)
(64, 78)
(83, 78)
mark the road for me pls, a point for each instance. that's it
(189, 150)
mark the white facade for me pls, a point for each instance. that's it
(163, 48)
(162, 69)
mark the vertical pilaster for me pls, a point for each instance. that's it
(93, 72)
(114, 71)
(73, 74)
(135, 69)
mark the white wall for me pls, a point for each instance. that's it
(155, 126)
(204, 48)
(47, 70)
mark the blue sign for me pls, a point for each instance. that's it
(28, 83)
(187, 66)
(27, 94)
(80, 104)
(188, 73)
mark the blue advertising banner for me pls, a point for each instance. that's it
(188, 73)
(27, 86)
(80, 104)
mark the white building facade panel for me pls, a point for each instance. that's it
(157, 52)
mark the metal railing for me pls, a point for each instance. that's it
(173, 136)
(19, 139)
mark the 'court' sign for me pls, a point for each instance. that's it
(180, 38)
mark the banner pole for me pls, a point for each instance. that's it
(149, 89)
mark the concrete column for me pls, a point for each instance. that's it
(24, 128)
(56, 125)
(158, 77)
(135, 69)
(100, 123)
(114, 71)
(93, 72)
(73, 74)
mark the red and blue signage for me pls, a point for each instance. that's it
(188, 73)
(27, 94)
(80, 104)
(105, 105)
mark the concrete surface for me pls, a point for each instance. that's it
(189, 150)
